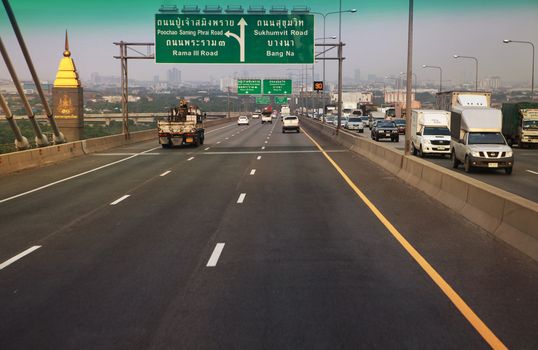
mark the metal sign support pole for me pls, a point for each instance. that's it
(124, 58)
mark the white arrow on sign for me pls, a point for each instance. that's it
(240, 39)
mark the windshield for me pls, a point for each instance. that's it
(432, 130)
(391, 112)
(530, 124)
(364, 118)
(385, 125)
(354, 119)
(329, 119)
(399, 122)
(486, 138)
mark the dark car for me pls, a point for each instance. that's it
(385, 129)
(400, 124)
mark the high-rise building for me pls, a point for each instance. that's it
(357, 75)
(95, 78)
(491, 83)
(173, 77)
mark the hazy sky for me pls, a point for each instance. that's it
(375, 37)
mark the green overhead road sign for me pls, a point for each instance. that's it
(281, 100)
(277, 87)
(225, 38)
(265, 100)
(249, 87)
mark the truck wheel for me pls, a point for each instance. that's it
(413, 149)
(298, 130)
(508, 171)
(421, 154)
(467, 165)
(397, 139)
(283, 131)
(455, 161)
(165, 145)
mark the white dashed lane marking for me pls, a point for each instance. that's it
(253, 171)
(216, 255)
(241, 198)
(120, 199)
(166, 173)
(18, 256)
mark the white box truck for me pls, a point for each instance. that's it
(476, 131)
(477, 140)
(431, 132)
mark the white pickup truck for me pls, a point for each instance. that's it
(290, 122)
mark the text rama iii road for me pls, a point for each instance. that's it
(204, 38)
(257, 239)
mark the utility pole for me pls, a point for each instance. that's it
(409, 85)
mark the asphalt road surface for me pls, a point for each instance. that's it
(523, 181)
(254, 240)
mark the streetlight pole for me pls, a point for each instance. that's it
(506, 41)
(440, 75)
(476, 70)
(324, 15)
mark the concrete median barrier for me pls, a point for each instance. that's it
(507, 216)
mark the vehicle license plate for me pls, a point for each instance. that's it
(189, 139)
(493, 165)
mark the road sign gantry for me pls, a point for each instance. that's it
(237, 39)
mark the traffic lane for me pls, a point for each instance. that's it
(522, 182)
(109, 278)
(27, 180)
(498, 282)
(307, 265)
(246, 137)
(30, 218)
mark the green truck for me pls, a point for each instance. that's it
(520, 123)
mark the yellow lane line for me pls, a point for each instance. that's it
(460, 304)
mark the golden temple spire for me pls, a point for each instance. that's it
(67, 53)
(67, 75)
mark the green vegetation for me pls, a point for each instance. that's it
(90, 131)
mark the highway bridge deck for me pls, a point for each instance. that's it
(254, 240)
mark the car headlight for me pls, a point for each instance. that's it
(426, 141)
(475, 154)
(509, 153)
